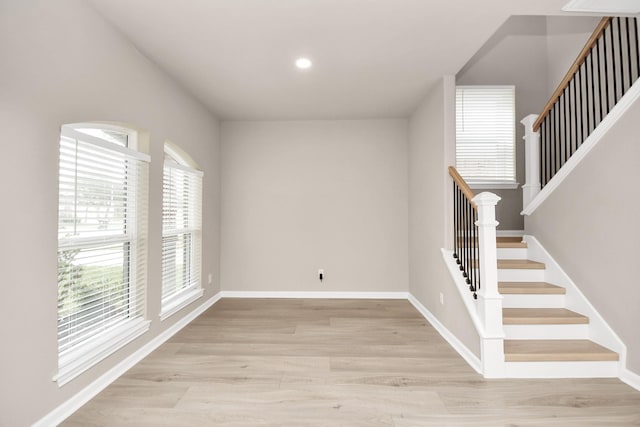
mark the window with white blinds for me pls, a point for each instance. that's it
(485, 134)
(181, 234)
(102, 245)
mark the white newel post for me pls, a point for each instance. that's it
(489, 299)
(531, 160)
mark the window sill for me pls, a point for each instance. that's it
(180, 301)
(487, 185)
(75, 362)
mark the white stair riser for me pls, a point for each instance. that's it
(533, 300)
(512, 253)
(562, 369)
(546, 332)
(520, 275)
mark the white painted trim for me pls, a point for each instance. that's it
(179, 303)
(73, 363)
(599, 331)
(509, 233)
(453, 341)
(630, 378)
(62, 412)
(605, 125)
(314, 294)
(588, 369)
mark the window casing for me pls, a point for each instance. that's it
(102, 245)
(485, 135)
(181, 233)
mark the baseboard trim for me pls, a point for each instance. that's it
(453, 341)
(630, 378)
(314, 295)
(62, 412)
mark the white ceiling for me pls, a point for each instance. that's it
(372, 58)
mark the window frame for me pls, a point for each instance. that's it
(92, 344)
(176, 162)
(492, 182)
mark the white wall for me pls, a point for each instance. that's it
(61, 63)
(566, 36)
(587, 224)
(515, 55)
(303, 195)
(431, 149)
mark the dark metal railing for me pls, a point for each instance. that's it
(606, 68)
(465, 232)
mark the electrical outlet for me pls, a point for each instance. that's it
(441, 298)
(321, 274)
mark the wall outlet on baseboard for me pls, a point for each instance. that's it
(441, 298)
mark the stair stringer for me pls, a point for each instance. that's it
(491, 363)
(599, 330)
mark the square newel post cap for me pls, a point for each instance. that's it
(529, 120)
(486, 199)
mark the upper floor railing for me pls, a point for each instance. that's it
(603, 72)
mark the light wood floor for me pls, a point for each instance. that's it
(265, 362)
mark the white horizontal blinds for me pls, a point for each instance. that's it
(101, 237)
(181, 230)
(485, 133)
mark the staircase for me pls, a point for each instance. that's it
(542, 337)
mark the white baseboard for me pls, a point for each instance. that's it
(630, 378)
(453, 341)
(312, 294)
(63, 411)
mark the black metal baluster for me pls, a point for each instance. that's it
(574, 121)
(598, 80)
(636, 47)
(613, 66)
(593, 92)
(626, 26)
(455, 221)
(606, 72)
(476, 283)
(543, 138)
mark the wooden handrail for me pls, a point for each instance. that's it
(462, 185)
(604, 22)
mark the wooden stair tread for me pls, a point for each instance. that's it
(518, 264)
(542, 316)
(556, 351)
(510, 242)
(530, 288)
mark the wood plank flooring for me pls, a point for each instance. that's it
(269, 362)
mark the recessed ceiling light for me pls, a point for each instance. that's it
(603, 6)
(303, 63)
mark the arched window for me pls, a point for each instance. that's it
(181, 231)
(102, 244)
